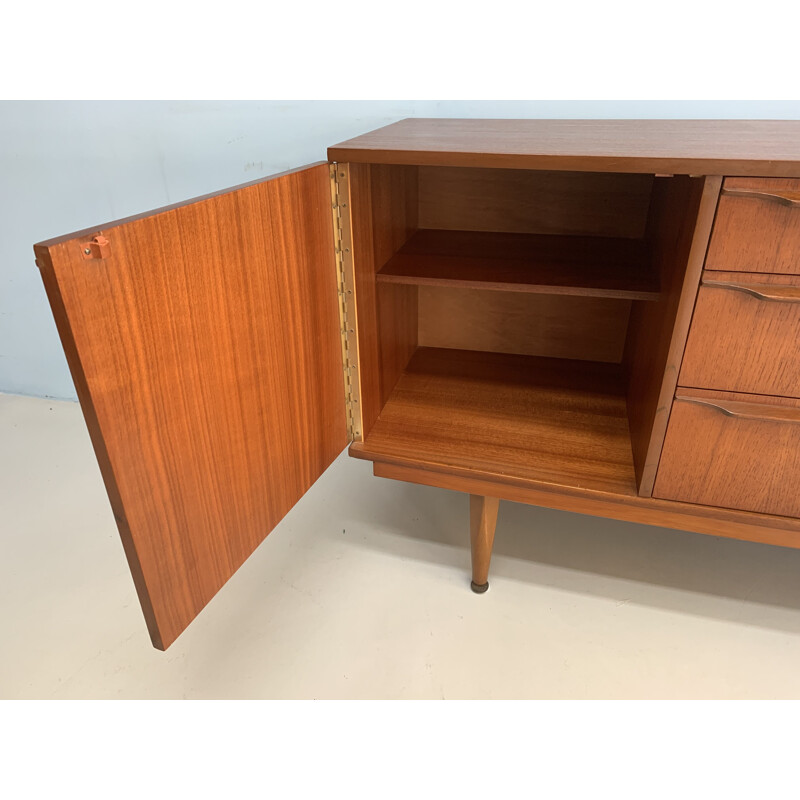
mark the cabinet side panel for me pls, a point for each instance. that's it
(398, 323)
(681, 216)
(395, 203)
(383, 216)
(366, 293)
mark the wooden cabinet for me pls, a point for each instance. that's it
(495, 307)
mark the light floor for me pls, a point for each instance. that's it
(363, 592)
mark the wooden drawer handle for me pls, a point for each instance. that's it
(761, 291)
(789, 199)
(740, 410)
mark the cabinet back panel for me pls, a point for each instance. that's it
(534, 201)
(587, 328)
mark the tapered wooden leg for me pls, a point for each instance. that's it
(482, 522)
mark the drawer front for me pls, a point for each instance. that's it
(744, 337)
(757, 227)
(732, 454)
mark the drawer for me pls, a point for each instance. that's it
(745, 335)
(732, 453)
(757, 227)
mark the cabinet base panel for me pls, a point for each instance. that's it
(539, 419)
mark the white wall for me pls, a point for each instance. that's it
(71, 165)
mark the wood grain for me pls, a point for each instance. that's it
(680, 224)
(694, 147)
(742, 342)
(589, 266)
(482, 524)
(534, 201)
(584, 328)
(552, 421)
(754, 233)
(383, 206)
(205, 351)
(398, 333)
(732, 454)
(746, 525)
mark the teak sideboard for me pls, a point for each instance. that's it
(597, 316)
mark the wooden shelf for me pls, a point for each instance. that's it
(545, 421)
(591, 266)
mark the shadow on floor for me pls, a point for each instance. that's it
(692, 573)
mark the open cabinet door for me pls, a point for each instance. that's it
(204, 343)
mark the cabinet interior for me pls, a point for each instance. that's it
(517, 322)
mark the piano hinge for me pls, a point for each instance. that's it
(340, 205)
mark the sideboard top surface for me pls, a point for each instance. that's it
(702, 147)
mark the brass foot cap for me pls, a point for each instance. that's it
(479, 588)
